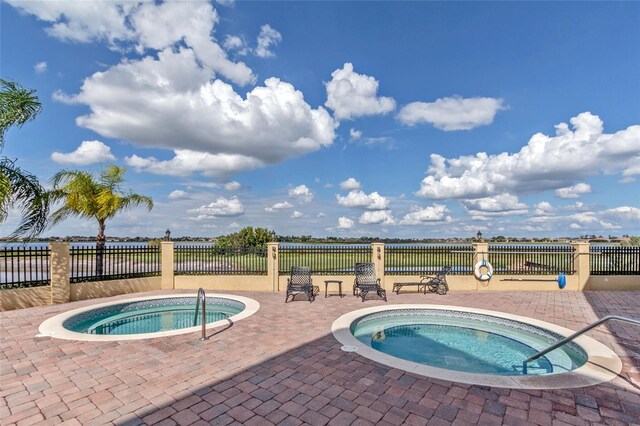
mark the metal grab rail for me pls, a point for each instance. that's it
(574, 335)
(201, 299)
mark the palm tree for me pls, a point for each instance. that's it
(19, 188)
(85, 196)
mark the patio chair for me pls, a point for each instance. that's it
(300, 282)
(437, 284)
(366, 281)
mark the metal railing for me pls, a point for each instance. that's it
(614, 260)
(532, 260)
(574, 335)
(324, 259)
(201, 299)
(425, 260)
(113, 263)
(23, 267)
(209, 260)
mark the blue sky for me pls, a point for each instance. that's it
(389, 119)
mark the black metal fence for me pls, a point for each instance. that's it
(532, 260)
(324, 259)
(615, 260)
(113, 263)
(209, 260)
(23, 267)
(427, 260)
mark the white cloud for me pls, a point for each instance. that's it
(574, 191)
(500, 204)
(178, 194)
(40, 67)
(267, 39)
(359, 199)
(624, 213)
(352, 95)
(279, 206)
(222, 207)
(302, 193)
(452, 113)
(296, 214)
(544, 163)
(143, 25)
(233, 186)
(421, 216)
(185, 162)
(89, 152)
(345, 222)
(355, 134)
(321, 215)
(383, 217)
(543, 208)
(235, 43)
(350, 184)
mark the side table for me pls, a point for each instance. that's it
(326, 287)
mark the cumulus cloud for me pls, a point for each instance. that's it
(40, 67)
(222, 207)
(178, 194)
(302, 193)
(383, 217)
(502, 204)
(296, 214)
(359, 199)
(143, 25)
(345, 222)
(427, 215)
(574, 191)
(452, 113)
(350, 184)
(623, 213)
(193, 110)
(545, 163)
(355, 134)
(352, 95)
(233, 186)
(267, 39)
(89, 152)
(237, 44)
(279, 206)
(185, 162)
(543, 208)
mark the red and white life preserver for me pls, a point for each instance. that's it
(479, 275)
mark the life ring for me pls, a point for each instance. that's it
(479, 275)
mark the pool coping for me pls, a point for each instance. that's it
(602, 364)
(53, 327)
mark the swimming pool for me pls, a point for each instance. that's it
(147, 317)
(474, 346)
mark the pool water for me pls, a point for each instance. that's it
(142, 318)
(475, 344)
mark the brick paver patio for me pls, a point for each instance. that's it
(283, 366)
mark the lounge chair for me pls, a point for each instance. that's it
(300, 282)
(437, 284)
(366, 281)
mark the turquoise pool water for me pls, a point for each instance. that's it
(151, 316)
(467, 342)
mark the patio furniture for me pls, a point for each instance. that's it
(326, 287)
(366, 281)
(437, 284)
(300, 282)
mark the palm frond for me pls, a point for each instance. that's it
(17, 106)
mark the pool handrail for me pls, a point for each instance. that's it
(574, 335)
(202, 298)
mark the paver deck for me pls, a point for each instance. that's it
(283, 366)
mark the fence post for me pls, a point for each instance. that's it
(377, 253)
(166, 266)
(481, 251)
(60, 273)
(273, 266)
(582, 264)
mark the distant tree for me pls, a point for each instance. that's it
(247, 237)
(19, 188)
(633, 241)
(101, 199)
